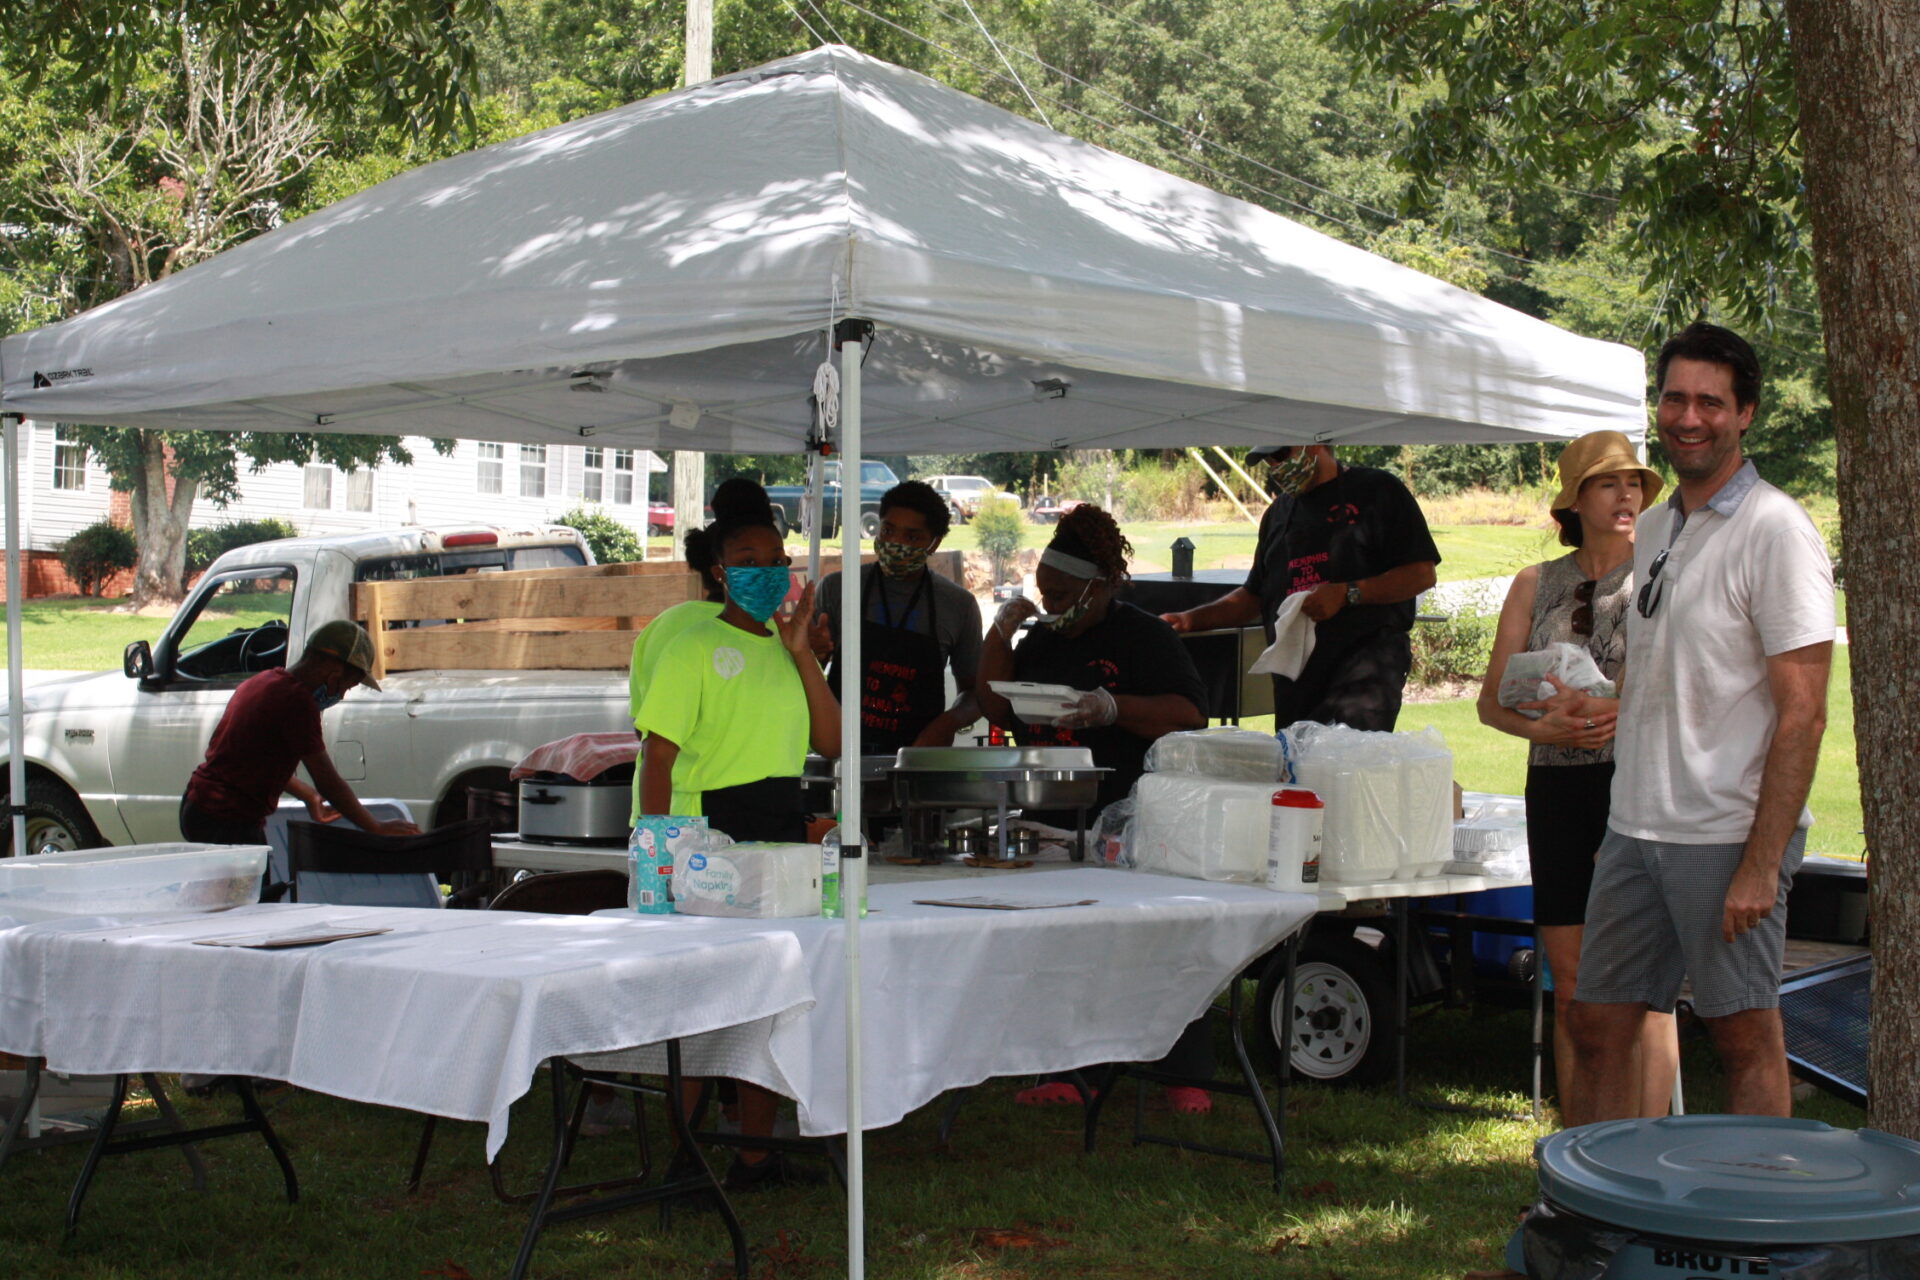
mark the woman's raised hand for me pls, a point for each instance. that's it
(796, 624)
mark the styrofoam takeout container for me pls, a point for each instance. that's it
(132, 879)
(1037, 703)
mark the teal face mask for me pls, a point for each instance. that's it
(758, 589)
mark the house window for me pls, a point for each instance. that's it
(69, 460)
(360, 489)
(533, 471)
(623, 476)
(593, 476)
(317, 491)
(491, 477)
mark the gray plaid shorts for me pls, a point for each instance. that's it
(1653, 920)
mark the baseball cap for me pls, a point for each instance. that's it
(349, 642)
(1264, 453)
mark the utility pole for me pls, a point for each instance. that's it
(690, 465)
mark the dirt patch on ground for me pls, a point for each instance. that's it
(1447, 691)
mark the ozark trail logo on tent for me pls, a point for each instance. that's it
(47, 381)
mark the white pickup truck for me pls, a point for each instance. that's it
(108, 755)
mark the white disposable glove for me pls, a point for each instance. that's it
(1095, 708)
(1014, 612)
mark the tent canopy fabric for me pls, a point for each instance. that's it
(663, 275)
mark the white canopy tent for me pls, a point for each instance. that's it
(665, 275)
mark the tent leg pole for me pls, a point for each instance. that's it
(16, 700)
(853, 864)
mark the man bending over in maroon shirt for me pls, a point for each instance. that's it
(271, 727)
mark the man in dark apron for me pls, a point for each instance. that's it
(915, 625)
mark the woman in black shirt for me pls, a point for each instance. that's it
(1138, 682)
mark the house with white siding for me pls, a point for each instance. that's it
(64, 489)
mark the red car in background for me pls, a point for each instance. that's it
(1048, 509)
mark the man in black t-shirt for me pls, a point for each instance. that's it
(1356, 541)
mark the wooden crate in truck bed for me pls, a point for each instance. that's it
(578, 619)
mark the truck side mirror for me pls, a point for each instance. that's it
(137, 661)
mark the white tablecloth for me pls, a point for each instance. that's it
(952, 997)
(449, 1013)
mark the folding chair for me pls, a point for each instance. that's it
(349, 867)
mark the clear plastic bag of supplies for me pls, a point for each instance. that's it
(1525, 679)
(1202, 828)
(1491, 840)
(1388, 796)
(1238, 755)
(1113, 834)
(753, 880)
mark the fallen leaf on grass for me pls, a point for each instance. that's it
(449, 1270)
(1019, 1237)
(1289, 1239)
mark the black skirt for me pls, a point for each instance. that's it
(1566, 820)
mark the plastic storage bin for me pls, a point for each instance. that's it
(1713, 1195)
(133, 878)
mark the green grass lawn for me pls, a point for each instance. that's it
(1376, 1190)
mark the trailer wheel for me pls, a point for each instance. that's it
(56, 820)
(1340, 1029)
(869, 524)
(780, 525)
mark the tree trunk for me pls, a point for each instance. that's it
(1857, 69)
(160, 524)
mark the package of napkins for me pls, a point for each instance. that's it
(755, 880)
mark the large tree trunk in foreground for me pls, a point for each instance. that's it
(160, 520)
(1857, 68)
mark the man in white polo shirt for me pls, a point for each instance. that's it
(1723, 706)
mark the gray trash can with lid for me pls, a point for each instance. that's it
(1712, 1196)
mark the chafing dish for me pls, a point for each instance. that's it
(998, 778)
(820, 780)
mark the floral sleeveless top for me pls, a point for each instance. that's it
(1554, 603)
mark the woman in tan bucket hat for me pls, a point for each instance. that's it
(1580, 598)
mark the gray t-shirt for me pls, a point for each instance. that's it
(955, 616)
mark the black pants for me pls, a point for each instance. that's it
(200, 827)
(1358, 686)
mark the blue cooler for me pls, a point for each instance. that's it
(1694, 1197)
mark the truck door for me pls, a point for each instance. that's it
(233, 626)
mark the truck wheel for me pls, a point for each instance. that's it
(56, 820)
(780, 525)
(1340, 1029)
(869, 524)
(488, 793)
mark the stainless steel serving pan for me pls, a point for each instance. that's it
(990, 777)
(820, 780)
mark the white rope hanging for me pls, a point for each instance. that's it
(826, 392)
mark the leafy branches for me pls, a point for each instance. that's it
(1689, 105)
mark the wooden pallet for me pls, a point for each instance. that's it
(575, 619)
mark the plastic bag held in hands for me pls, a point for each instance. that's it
(1095, 708)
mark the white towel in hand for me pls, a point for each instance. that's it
(1292, 641)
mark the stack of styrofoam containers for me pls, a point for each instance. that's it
(1203, 828)
(1236, 755)
(1389, 799)
(1205, 808)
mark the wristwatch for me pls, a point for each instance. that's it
(1353, 593)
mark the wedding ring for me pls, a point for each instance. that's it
(1589, 724)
